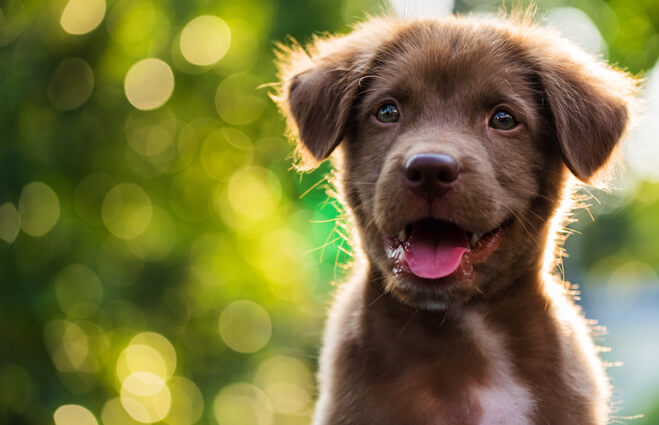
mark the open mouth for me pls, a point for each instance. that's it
(435, 249)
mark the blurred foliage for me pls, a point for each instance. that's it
(159, 259)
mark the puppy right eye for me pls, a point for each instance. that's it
(388, 113)
(502, 120)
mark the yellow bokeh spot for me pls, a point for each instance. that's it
(82, 16)
(78, 290)
(89, 194)
(145, 397)
(73, 414)
(138, 25)
(38, 208)
(151, 133)
(113, 413)
(237, 100)
(157, 241)
(71, 84)
(224, 151)
(282, 257)
(149, 83)
(245, 326)
(287, 382)
(140, 358)
(10, 222)
(126, 210)
(205, 40)
(254, 193)
(242, 404)
(68, 345)
(147, 352)
(187, 402)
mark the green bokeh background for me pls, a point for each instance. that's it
(116, 221)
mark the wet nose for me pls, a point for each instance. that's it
(431, 175)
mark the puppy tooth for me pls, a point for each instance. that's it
(475, 238)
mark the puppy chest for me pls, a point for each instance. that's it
(454, 397)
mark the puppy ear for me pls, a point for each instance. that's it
(319, 85)
(320, 102)
(590, 103)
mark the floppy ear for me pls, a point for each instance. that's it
(319, 85)
(590, 104)
(320, 101)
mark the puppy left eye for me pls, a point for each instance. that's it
(502, 120)
(388, 113)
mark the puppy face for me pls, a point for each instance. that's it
(457, 136)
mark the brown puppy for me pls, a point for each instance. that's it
(455, 142)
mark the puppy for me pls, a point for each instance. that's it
(455, 139)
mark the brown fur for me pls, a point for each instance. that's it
(505, 344)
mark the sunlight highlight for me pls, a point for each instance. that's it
(287, 382)
(10, 222)
(187, 402)
(205, 40)
(74, 414)
(242, 404)
(146, 397)
(149, 83)
(71, 85)
(126, 210)
(78, 290)
(82, 16)
(38, 208)
(245, 326)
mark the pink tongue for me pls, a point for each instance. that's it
(435, 249)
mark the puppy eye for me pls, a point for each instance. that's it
(502, 120)
(388, 113)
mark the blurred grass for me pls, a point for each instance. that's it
(166, 256)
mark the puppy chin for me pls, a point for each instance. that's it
(429, 294)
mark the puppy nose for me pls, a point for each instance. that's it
(431, 174)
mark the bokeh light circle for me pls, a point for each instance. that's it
(71, 84)
(88, 196)
(288, 383)
(224, 151)
(146, 397)
(157, 241)
(237, 100)
(205, 40)
(149, 83)
(187, 402)
(78, 290)
(141, 358)
(254, 193)
(242, 404)
(73, 414)
(245, 326)
(38, 208)
(10, 222)
(113, 413)
(82, 16)
(68, 345)
(147, 352)
(126, 210)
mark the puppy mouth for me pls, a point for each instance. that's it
(433, 249)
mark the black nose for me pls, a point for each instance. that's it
(431, 175)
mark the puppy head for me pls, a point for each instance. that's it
(457, 136)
